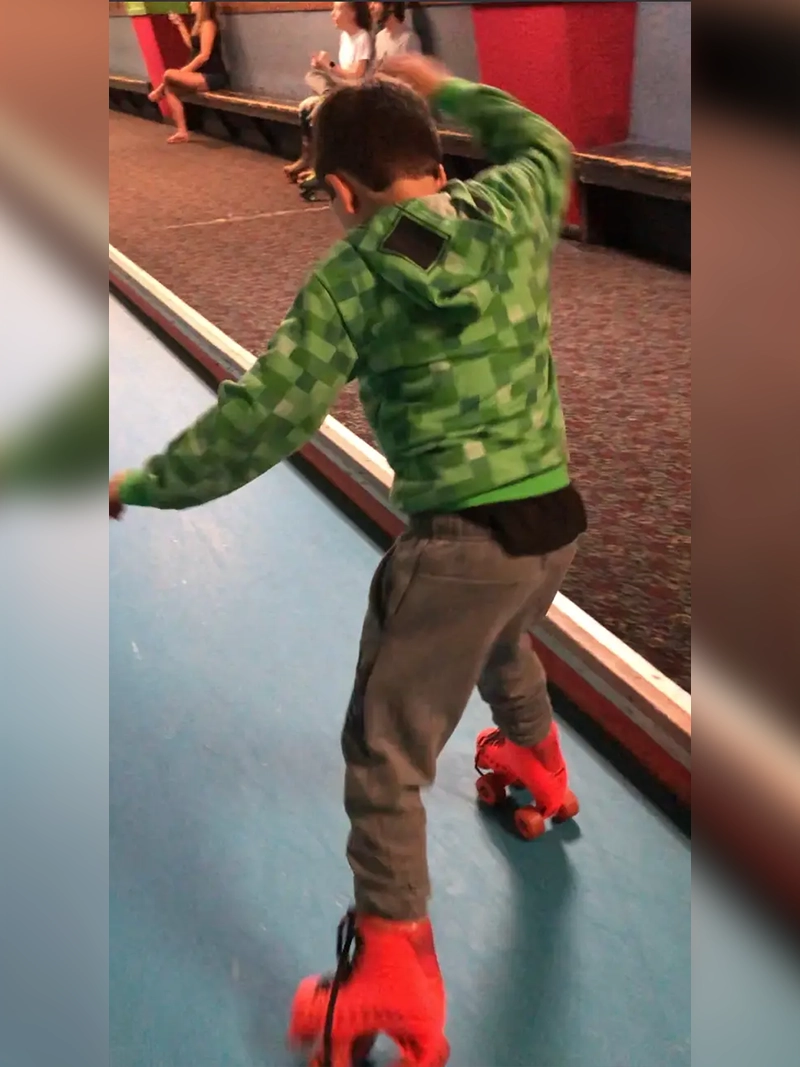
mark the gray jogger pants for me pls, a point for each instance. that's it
(449, 610)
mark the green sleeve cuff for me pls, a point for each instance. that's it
(134, 490)
(451, 94)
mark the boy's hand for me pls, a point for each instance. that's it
(321, 61)
(421, 73)
(116, 508)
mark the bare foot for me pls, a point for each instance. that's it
(178, 138)
(156, 95)
(294, 169)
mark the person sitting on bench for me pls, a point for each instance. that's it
(394, 37)
(205, 71)
(355, 55)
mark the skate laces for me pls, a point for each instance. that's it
(346, 950)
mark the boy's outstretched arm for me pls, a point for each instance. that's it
(532, 160)
(271, 412)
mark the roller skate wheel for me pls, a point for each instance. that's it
(431, 1056)
(357, 1056)
(491, 789)
(569, 809)
(362, 1047)
(529, 823)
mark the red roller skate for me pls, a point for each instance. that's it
(540, 769)
(387, 981)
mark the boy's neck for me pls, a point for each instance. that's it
(412, 189)
(402, 191)
(399, 192)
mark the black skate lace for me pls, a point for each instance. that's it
(346, 949)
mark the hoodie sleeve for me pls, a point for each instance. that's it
(269, 413)
(532, 161)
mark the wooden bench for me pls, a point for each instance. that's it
(130, 94)
(120, 84)
(637, 197)
(638, 168)
(264, 112)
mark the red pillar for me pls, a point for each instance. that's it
(161, 46)
(570, 62)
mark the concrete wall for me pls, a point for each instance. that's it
(662, 77)
(454, 37)
(124, 55)
(270, 54)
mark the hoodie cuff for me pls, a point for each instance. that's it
(135, 489)
(451, 93)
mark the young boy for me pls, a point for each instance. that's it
(437, 301)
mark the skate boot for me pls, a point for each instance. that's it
(540, 769)
(387, 981)
(312, 190)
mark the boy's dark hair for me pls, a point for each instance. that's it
(363, 17)
(398, 10)
(376, 133)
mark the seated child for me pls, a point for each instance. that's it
(355, 55)
(394, 37)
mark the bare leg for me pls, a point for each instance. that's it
(175, 82)
(181, 134)
(294, 170)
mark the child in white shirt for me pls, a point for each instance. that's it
(355, 56)
(394, 37)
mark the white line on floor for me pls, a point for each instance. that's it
(247, 218)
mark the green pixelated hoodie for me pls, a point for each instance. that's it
(440, 308)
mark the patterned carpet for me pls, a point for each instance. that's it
(219, 225)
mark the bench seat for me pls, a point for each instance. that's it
(637, 197)
(637, 168)
(455, 142)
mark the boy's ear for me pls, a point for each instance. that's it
(344, 193)
(442, 176)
